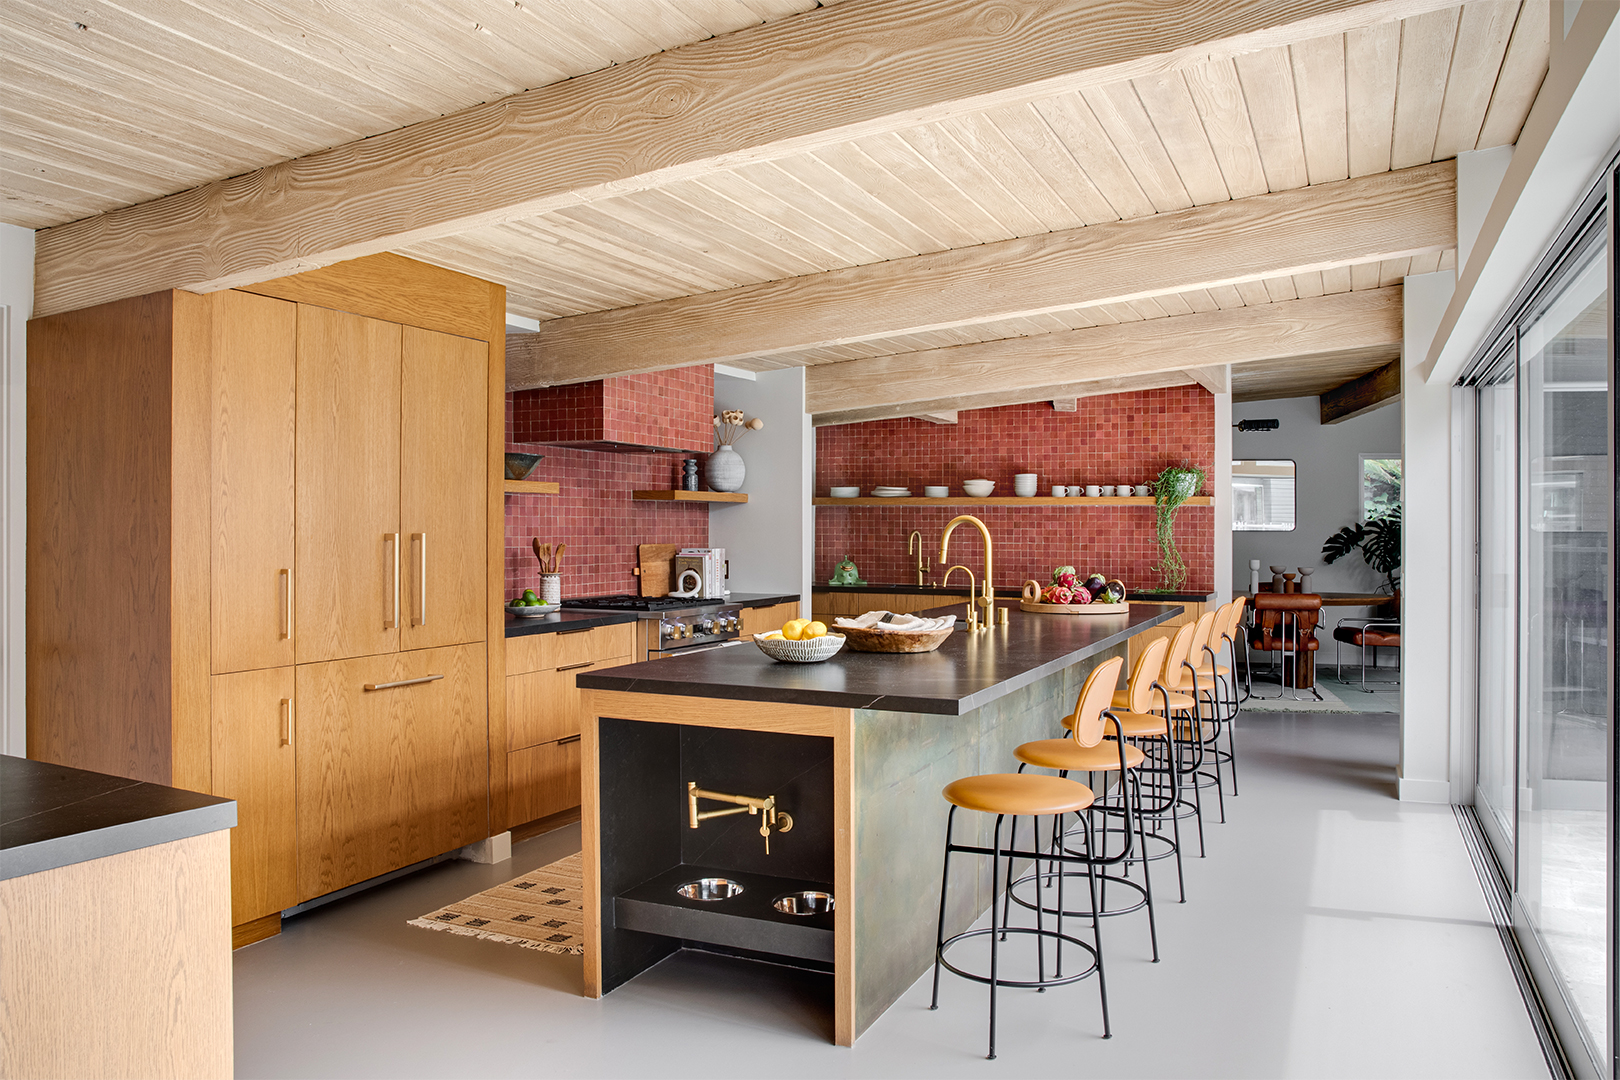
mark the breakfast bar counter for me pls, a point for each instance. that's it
(855, 751)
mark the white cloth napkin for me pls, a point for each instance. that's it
(898, 624)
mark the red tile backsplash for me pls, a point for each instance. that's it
(1109, 440)
(594, 515)
(672, 408)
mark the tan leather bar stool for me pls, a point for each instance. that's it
(1201, 685)
(1033, 795)
(1181, 710)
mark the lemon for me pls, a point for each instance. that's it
(793, 629)
(814, 630)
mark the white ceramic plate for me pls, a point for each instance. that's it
(846, 492)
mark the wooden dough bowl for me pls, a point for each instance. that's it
(893, 641)
(1032, 588)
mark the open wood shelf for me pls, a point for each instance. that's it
(689, 496)
(1007, 500)
(532, 487)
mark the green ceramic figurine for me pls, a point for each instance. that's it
(846, 574)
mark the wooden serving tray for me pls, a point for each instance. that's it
(1026, 604)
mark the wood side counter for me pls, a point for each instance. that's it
(857, 750)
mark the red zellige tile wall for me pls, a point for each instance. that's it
(594, 515)
(1109, 440)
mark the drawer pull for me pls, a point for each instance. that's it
(565, 742)
(581, 630)
(286, 721)
(576, 667)
(403, 682)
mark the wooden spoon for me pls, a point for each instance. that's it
(558, 560)
(538, 557)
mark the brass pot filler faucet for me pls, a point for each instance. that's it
(770, 816)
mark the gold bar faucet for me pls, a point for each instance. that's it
(770, 816)
(972, 612)
(916, 538)
(987, 591)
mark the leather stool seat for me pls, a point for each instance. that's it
(1367, 637)
(1220, 669)
(1022, 794)
(1122, 700)
(1141, 725)
(1069, 755)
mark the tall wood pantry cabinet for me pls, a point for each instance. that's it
(264, 561)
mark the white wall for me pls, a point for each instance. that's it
(1221, 488)
(1327, 482)
(16, 307)
(1426, 538)
(770, 540)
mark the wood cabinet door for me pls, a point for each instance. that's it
(544, 780)
(444, 457)
(350, 595)
(391, 775)
(255, 740)
(253, 416)
(762, 620)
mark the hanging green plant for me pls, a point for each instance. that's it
(1175, 485)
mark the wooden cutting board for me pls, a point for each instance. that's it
(655, 565)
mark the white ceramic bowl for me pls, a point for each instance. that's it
(812, 651)
(978, 489)
(932, 492)
(846, 492)
(533, 611)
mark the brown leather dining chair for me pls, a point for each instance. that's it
(1285, 623)
(1369, 634)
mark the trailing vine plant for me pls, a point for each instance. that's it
(1175, 485)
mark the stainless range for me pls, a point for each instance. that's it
(673, 625)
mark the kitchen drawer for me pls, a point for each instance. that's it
(536, 652)
(544, 780)
(762, 620)
(542, 707)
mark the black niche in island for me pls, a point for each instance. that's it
(649, 849)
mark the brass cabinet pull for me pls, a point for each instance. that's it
(420, 539)
(393, 546)
(565, 742)
(581, 630)
(286, 721)
(402, 682)
(576, 667)
(286, 604)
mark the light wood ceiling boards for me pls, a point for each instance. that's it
(1318, 110)
(108, 104)
(854, 75)
(1384, 216)
(1306, 376)
(1122, 384)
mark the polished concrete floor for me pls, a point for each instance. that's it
(1332, 931)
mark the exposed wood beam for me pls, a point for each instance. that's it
(1217, 380)
(1363, 394)
(1094, 388)
(942, 417)
(1321, 324)
(758, 94)
(1383, 216)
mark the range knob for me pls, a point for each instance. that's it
(669, 631)
(686, 630)
(706, 626)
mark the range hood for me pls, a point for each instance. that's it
(664, 411)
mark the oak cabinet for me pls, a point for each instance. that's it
(255, 735)
(545, 780)
(762, 620)
(393, 763)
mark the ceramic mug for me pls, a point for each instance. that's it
(1144, 490)
(1093, 491)
(1124, 490)
(1108, 491)
(1059, 491)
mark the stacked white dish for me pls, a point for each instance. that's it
(1024, 484)
(978, 489)
(846, 492)
(892, 492)
(936, 492)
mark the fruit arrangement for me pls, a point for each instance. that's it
(528, 599)
(1067, 588)
(799, 630)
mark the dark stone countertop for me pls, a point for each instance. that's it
(53, 816)
(1143, 596)
(572, 619)
(964, 673)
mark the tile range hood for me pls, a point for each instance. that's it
(663, 411)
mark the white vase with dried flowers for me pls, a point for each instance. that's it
(725, 470)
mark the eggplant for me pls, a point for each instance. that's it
(1095, 583)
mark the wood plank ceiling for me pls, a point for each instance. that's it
(116, 105)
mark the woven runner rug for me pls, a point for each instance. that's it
(544, 909)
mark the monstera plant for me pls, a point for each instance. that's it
(1379, 541)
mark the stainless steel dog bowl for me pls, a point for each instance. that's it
(710, 888)
(804, 903)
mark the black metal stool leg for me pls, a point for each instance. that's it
(995, 950)
(1096, 934)
(945, 881)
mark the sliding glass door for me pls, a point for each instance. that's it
(1498, 442)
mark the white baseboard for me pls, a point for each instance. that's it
(1425, 791)
(496, 849)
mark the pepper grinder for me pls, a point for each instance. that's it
(689, 476)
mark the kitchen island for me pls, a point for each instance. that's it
(856, 750)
